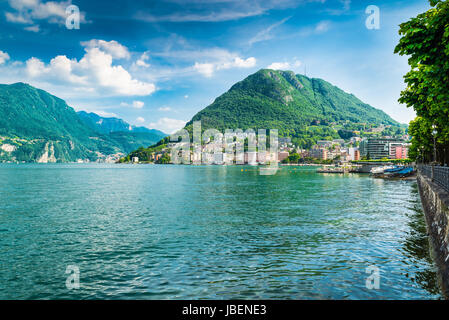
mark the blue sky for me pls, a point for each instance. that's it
(157, 63)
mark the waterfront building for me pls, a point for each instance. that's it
(380, 148)
(363, 147)
(357, 155)
(282, 156)
(324, 144)
(319, 153)
(339, 141)
(399, 151)
(354, 154)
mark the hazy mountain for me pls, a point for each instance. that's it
(108, 125)
(37, 126)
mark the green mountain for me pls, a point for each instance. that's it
(304, 109)
(36, 126)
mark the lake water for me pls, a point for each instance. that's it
(186, 232)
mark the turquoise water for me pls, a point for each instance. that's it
(185, 232)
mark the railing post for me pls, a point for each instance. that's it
(433, 172)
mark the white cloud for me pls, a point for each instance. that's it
(94, 73)
(285, 65)
(17, 18)
(168, 125)
(140, 120)
(238, 63)
(165, 109)
(141, 62)
(322, 27)
(134, 104)
(206, 69)
(4, 56)
(28, 11)
(206, 61)
(34, 28)
(113, 48)
(265, 34)
(138, 104)
(105, 114)
(186, 96)
(218, 10)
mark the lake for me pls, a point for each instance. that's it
(209, 232)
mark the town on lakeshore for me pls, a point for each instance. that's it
(359, 147)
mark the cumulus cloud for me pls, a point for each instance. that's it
(4, 56)
(238, 63)
(140, 120)
(138, 104)
(30, 11)
(208, 60)
(94, 73)
(207, 69)
(168, 125)
(134, 104)
(113, 48)
(141, 62)
(285, 65)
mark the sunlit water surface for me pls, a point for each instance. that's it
(186, 232)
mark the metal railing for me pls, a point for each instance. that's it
(439, 175)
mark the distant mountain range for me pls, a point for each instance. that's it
(110, 125)
(36, 126)
(304, 109)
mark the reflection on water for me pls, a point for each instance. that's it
(185, 232)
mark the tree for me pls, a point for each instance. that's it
(165, 159)
(425, 40)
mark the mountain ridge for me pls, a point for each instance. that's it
(298, 106)
(304, 109)
(36, 126)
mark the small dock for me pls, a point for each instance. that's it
(336, 170)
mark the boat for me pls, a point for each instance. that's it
(382, 169)
(397, 173)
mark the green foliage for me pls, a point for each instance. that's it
(129, 141)
(297, 106)
(294, 158)
(307, 110)
(31, 119)
(425, 40)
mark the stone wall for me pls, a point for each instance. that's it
(435, 201)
